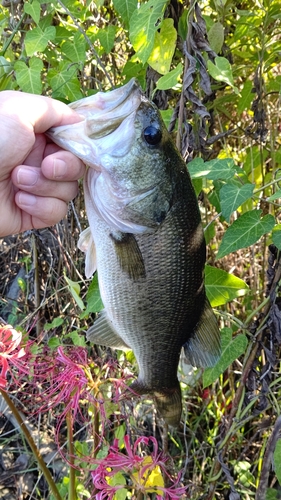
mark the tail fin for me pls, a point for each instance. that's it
(168, 402)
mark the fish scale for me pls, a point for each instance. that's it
(146, 241)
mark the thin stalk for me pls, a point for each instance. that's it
(29, 439)
(71, 490)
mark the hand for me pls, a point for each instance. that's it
(37, 178)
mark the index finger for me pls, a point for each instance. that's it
(38, 112)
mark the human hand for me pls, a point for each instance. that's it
(37, 178)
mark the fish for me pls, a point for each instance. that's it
(146, 241)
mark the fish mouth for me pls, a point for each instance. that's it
(108, 118)
(105, 111)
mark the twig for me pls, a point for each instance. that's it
(71, 488)
(267, 460)
(30, 440)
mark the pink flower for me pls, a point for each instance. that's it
(145, 471)
(10, 340)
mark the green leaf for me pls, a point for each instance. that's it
(75, 50)
(125, 9)
(74, 289)
(231, 349)
(164, 47)
(77, 339)
(246, 98)
(274, 196)
(232, 196)
(214, 169)
(143, 25)
(29, 78)
(106, 37)
(93, 298)
(55, 323)
(170, 79)
(271, 494)
(222, 287)
(36, 40)
(216, 37)
(276, 236)
(33, 9)
(65, 83)
(245, 231)
(221, 71)
(54, 343)
(277, 460)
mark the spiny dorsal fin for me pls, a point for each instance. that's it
(203, 349)
(129, 254)
(103, 333)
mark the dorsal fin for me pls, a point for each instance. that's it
(203, 349)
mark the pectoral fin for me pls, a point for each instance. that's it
(203, 349)
(86, 244)
(103, 333)
(129, 254)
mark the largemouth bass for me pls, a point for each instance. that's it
(145, 239)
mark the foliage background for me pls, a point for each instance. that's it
(219, 94)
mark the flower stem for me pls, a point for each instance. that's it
(32, 445)
(71, 490)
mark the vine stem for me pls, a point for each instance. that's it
(32, 445)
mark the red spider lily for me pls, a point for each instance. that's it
(10, 340)
(145, 472)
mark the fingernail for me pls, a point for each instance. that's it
(27, 177)
(59, 168)
(26, 199)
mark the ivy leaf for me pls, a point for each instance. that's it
(231, 349)
(245, 231)
(277, 460)
(64, 83)
(274, 196)
(276, 236)
(29, 78)
(33, 9)
(170, 79)
(222, 72)
(75, 50)
(220, 168)
(77, 338)
(246, 98)
(143, 25)
(164, 47)
(125, 9)
(232, 196)
(216, 37)
(58, 321)
(36, 40)
(93, 298)
(106, 37)
(222, 287)
(74, 289)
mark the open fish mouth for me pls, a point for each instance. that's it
(104, 114)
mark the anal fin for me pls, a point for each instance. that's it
(102, 333)
(203, 349)
(129, 254)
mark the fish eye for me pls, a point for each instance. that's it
(152, 135)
